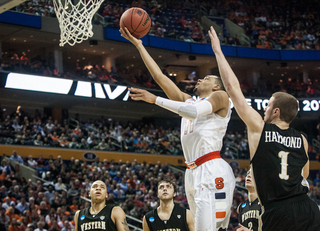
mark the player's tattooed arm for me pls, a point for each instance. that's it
(119, 218)
(125, 224)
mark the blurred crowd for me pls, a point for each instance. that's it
(272, 24)
(51, 202)
(52, 205)
(38, 129)
(269, 24)
(22, 63)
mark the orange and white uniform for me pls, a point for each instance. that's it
(209, 180)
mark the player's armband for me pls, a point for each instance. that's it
(192, 111)
(189, 111)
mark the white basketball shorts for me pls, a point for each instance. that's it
(209, 189)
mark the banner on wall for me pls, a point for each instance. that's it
(112, 92)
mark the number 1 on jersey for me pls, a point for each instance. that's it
(284, 164)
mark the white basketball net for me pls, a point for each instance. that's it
(75, 20)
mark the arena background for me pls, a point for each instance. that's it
(87, 86)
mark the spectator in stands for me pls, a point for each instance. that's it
(3, 193)
(59, 185)
(67, 226)
(15, 126)
(147, 198)
(6, 203)
(118, 192)
(103, 146)
(64, 142)
(38, 141)
(50, 193)
(64, 219)
(43, 210)
(54, 226)
(72, 193)
(16, 157)
(11, 214)
(24, 223)
(317, 179)
(14, 226)
(74, 207)
(40, 226)
(3, 175)
(73, 144)
(6, 166)
(4, 219)
(31, 162)
(23, 205)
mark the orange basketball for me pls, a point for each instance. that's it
(137, 21)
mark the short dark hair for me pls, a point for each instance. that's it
(287, 104)
(218, 81)
(169, 182)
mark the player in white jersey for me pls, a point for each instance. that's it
(209, 180)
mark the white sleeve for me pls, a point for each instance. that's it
(189, 111)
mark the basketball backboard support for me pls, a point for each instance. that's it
(8, 4)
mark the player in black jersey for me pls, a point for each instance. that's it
(100, 216)
(168, 216)
(278, 153)
(250, 210)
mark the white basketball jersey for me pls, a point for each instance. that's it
(204, 134)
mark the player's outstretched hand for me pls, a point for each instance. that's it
(215, 42)
(143, 95)
(127, 35)
(242, 228)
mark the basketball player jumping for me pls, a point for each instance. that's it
(168, 216)
(100, 216)
(250, 210)
(278, 153)
(209, 180)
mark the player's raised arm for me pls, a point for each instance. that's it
(169, 87)
(305, 170)
(249, 116)
(119, 218)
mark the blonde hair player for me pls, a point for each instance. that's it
(278, 153)
(100, 216)
(209, 180)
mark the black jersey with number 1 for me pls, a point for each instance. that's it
(176, 222)
(249, 213)
(278, 163)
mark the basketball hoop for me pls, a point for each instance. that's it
(75, 20)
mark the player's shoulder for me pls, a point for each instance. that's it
(77, 213)
(149, 214)
(242, 205)
(115, 209)
(179, 208)
(81, 212)
(219, 93)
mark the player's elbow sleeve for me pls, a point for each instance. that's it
(192, 111)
